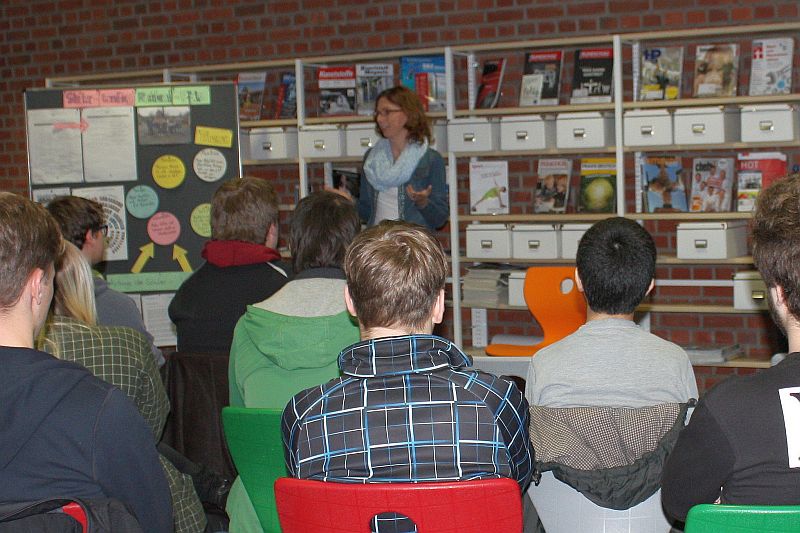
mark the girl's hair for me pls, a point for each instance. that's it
(74, 287)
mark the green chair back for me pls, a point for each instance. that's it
(707, 518)
(256, 445)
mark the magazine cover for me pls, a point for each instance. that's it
(716, 70)
(287, 97)
(426, 76)
(251, 94)
(547, 63)
(337, 90)
(552, 186)
(371, 80)
(530, 91)
(592, 79)
(757, 170)
(598, 188)
(347, 181)
(491, 82)
(664, 188)
(712, 184)
(771, 66)
(661, 70)
(488, 187)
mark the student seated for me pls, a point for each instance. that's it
(411, 406)
(292, 339)
(742, 445)
(607, 401)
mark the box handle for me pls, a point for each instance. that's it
(486, 243)
(700, 243)
(267, 146)
(646, 130)
(579, 133)
(366, 142)
(533, 245)
(698, 128)
(319, 144)
(766, 125)
(522, 135)
(469, 137)
(757, 295)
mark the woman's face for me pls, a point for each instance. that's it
(391, 119)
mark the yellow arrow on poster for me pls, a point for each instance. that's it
(179, 254)
(148, 252)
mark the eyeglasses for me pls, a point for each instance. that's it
(103, 229)
(385, 112)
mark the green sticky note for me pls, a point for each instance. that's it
(153, 96)
(191, 95)
(147, 281)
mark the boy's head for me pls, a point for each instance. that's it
(395, 273)
(323, 226)
(83, 223)
(246, 210)
(616, 264)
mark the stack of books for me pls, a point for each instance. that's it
(485, 287)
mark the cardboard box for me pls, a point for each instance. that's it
(712, 240)
(321, 141)
(749, 291)
(359, 138)
(527, 132)
(488, 241)
(440, 137)
(535, 241)
(473, 135)
(706, 125)
(570, 237)
(647, 127)
(272, 143)
(584, 130)
(769, 123)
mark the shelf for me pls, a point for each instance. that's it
(512, 261)
(643, 308)
(265, 162)
(546, 151)
(705, 33)
(535, 43)
(733, 215)
(661, 260)
(541, 217)
(738, 145)
(534, 110)
(270, 123)
(742, 362)
(713, 101)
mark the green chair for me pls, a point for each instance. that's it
(707, 518)
(256, 445)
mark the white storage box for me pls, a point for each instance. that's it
(535, 241)
(440, 137)
(712, 240)
(584, 130)
(516, 288)
(244, 144)
(359, 138)
(321, 141)
(488, 241)
(527, 132)
(769, 123)
(749, 291)
(272, 143)
(647, 127)
(473, 135)
(705, 125)
(570, 237)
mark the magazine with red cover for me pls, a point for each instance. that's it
(491, 81)
(757, 171)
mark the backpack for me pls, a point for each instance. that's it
(68, 515)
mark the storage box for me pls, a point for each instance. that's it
(535, 241)
(749, 291)
(705, 125)
(516, 286)
(272, 143)
(712, 240)
(769, 123)
(473, 135)
(321, 141)
(359, 138)
(244, 144)
(488, 241)
(584, 130)
(647, 127)
(527, 132)
(570, 237)
(440, 137)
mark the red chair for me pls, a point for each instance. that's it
(481, 506)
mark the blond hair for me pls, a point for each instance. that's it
(74, 291)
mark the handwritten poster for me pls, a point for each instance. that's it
(54, 146)
(109, 144)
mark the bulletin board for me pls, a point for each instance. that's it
(152, 155)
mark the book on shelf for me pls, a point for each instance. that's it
(484, 287)
(664, 188)
(488, 187)
(771, 66)
(250, 88)
(426, 76)
(371, 80)
(551, 194)
(705, 354)
(716, 70)
(287, 97)
(757, 171)
(491, 82)
(592, 80)
(712, 184)
(541, 79)
(337, 90)
(661, 69)
(598, 186)
(346, 180)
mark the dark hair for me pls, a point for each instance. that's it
(243, 210)
(616, 262)
(417, 124)
(76, 216)
(322, 227)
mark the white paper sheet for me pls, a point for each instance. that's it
(109, 144)
(156, 318)
(44, 196)
(112, 198)
(54, 146)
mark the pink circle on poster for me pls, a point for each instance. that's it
(163, 228)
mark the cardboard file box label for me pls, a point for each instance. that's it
(749, 291)
(706, 125)
(584, 130)
(712, 240)
(321, 141)
(527, 132)
(272, 143)
(769, 123)
(473, 135)
(359, 138)
(535, 241)
(649, 127)
(488, 241)
(570, 237)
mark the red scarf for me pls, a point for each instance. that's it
(237, 253)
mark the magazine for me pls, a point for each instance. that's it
(552, 186)
(491, 82)
(756, 171)
(426, 76)
(488, 187)
(592, 81)
(337, 90)
(716, 70)
(371, 80)
(771, 66)
(530, 91)
(664, 189)
(598, 187)
(287, 97)
(251, 94)
(346, 180)
(661, 70)
(712, 184)
(546, 63)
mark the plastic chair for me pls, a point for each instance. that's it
(255, 442)
(481, 506)
(708, 518)
(557, 313)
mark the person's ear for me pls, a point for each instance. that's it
(651, 287)
(438, 308)
(37, 282)
(578, 282)
(88, 238)
(348, 301)
(272, 236)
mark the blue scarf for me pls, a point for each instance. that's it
(383, 172)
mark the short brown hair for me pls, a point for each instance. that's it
(776, 238)
(243, 210)
(323, 226)
(29, 239)
(76, 216)
(395, 271)
(418, 126)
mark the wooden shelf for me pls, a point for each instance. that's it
(705, 33)
(512, 261)
(733, 215)
(742, 362)
(535, 43)
(643, 308)
(661, 260)
(541, 217)
(271, 123)
(713, 101)
(265, 162)
(711, 147)
(534, 110)
(546, 151)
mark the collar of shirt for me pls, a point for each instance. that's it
(405, 354)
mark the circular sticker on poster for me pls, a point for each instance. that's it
(201, 220)
(142, 201)
(209, 164)
(169, 171)
(163, 228)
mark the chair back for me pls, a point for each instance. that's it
(707, 518)
(480, 506)
(255, 442)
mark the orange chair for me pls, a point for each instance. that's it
(557, 313)
(481, 506)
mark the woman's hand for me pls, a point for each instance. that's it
(420, 198)
(340, 192)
